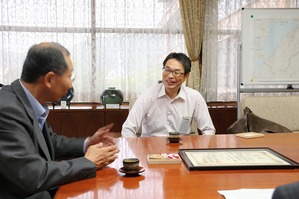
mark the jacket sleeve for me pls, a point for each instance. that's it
(24, 169)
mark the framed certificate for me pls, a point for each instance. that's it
(235, 158)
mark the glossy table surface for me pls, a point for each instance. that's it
(175, 180)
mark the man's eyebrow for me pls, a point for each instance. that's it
(171, 68)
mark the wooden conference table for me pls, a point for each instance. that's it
(175, 180)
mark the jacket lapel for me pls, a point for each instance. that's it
(47, 136)
(17, 87)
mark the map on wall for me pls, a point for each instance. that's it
(270, 46)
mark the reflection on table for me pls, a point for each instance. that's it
(175, 180)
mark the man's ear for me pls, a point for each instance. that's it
(187, 76)
(49, 79)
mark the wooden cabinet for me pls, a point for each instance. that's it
(84, 121)
(223, 114)
(116, 116)
(222, 118)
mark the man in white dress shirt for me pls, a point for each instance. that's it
(169, 106)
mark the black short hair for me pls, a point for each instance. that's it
(43, 58)
(182, 58)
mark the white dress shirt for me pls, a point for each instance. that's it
(158, 115)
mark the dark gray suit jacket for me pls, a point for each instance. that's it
(27, 166)
(287, 191)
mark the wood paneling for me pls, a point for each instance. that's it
(85, 119)
(223, 115)
(82, 121)
(116, 116)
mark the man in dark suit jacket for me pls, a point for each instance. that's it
(28, 146)
(287, 191)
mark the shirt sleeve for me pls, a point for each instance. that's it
(133, 122)
(203, 118)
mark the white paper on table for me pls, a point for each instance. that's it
(247, 193)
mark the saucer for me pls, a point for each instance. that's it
(133, 172)
(174, 140)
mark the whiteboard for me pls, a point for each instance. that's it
(270, 46)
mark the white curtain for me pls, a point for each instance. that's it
(113, 43)
(122, 43)
(221, 39)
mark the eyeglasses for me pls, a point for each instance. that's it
(167, 71)
(73, 76)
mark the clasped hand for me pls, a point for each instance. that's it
(101, 149)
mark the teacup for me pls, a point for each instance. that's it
(131, 164)
(174, 136)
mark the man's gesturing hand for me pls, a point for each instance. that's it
(101, 156)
